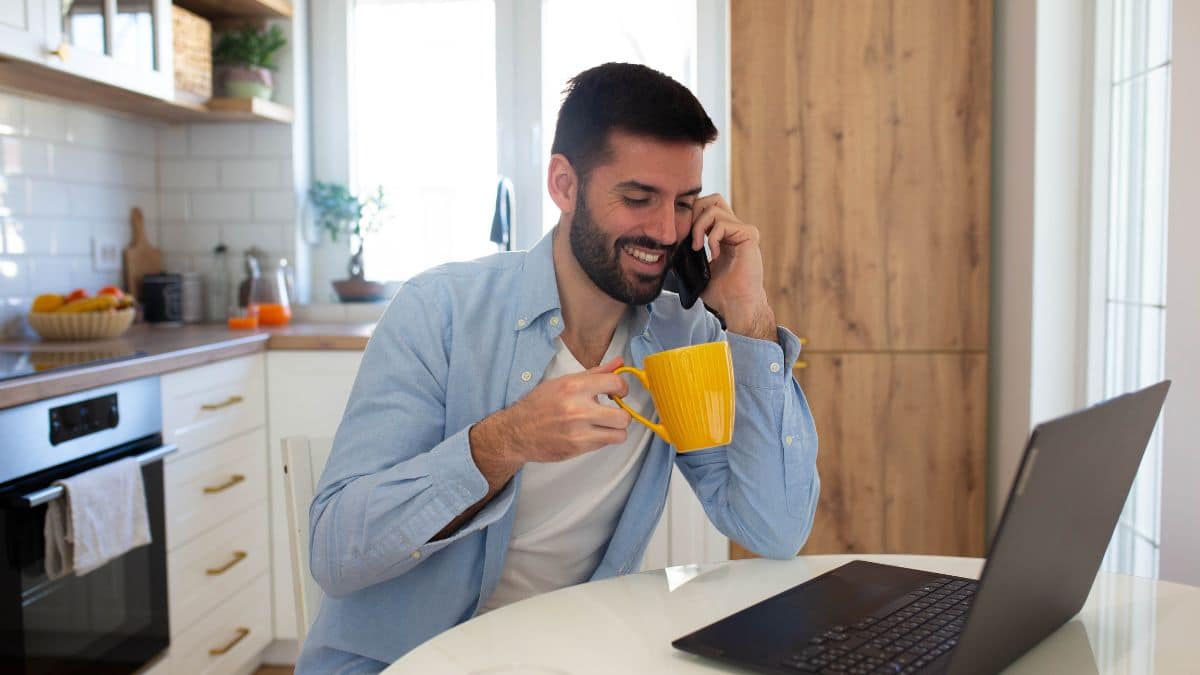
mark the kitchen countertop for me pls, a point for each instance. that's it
(166, 348)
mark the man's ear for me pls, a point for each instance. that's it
(563, 183)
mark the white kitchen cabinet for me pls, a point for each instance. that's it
(307, 393)
(23, 29)
(123, 43)
(218, 552)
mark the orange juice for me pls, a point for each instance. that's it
(243, 322)
(274, 314)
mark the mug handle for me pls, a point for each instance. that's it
(641, 376)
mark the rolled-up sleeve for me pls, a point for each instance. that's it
(394, 478)
(761, 490)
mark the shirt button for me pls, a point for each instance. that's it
(787, 440)
(526, 376)
(554, 321)
(416, 555)
(775, 367)
(521, 323)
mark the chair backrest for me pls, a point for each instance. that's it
(303, 460)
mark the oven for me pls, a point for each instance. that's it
(113, 619)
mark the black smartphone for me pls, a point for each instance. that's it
(691, 269)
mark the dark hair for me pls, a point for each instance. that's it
(628, 97)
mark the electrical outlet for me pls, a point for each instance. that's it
(106, 254)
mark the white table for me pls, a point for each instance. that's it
(626, 624)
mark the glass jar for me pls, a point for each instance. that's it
(269, 294)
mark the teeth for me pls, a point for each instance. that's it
(644, 257)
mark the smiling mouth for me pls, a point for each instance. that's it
(642, 255)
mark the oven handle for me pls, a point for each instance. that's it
(55, 491)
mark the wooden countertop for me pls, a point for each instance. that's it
(166, 348)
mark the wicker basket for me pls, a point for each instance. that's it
(193, 55)
(81, 325)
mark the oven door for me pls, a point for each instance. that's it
(111, 620)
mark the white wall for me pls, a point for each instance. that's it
(1180, 553)
(68, 174)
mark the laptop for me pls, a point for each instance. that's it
(868, 618)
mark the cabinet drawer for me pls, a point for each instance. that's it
(228, 638)
(206, 571)
(211, 403)
(214, 485)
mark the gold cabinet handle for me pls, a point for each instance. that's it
(63, 52)
(242, 632)
(233, 480)
(232, 400)
(800, 365)
(238, 556)
(803, 341)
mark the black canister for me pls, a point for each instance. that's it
(162, 298)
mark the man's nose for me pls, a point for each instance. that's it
(662, 225)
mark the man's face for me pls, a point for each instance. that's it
(632, 212)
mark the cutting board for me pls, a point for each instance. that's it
(140, 257)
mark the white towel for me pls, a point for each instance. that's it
(101, 516)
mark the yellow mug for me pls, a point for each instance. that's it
(692, 389)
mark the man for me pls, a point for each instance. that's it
(480, 460)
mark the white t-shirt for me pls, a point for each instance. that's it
(567, 511)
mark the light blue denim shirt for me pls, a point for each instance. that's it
(459, 343)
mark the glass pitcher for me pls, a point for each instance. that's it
(270, 293)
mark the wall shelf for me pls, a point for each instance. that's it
(36, 79)
(226, 9)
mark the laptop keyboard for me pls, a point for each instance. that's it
(901, 637)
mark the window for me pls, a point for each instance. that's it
(578, 35)
(423, 125)
(1129, 225)
(434, 124)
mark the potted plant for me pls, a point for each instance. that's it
(344, 214)
(245, 58)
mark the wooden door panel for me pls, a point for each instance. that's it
(902, 452)
(860, 148)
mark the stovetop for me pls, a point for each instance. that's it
(18, 363)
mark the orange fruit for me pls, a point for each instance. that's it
(47, 302)
(111, 290)
(77, 294)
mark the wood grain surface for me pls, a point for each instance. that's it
(860, 148)
(902, 453)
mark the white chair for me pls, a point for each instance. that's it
(303, 460)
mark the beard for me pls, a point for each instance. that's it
(602, 261)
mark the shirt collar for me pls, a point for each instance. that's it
(539, 290)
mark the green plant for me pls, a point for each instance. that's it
(248, 46)
(341, 212)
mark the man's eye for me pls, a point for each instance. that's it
(630, 201)
(683, 206)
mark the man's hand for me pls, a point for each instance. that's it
(558, 420)
(736, 286)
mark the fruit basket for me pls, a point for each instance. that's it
(81, 325)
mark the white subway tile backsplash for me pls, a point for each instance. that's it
(92, 128)
(239, 237)
(275, 205)
(190, 238)
(52, 275)
(173, 205)
(95, 202)
(272, 140)
(250, 173)
(24, 157)
(81, 164)
(12, 115)
(14, 276)
(40, 236)
(34, 196)
(219, 140)
(141, 172)
(187, 173)
(173, 141)
(223, 206)
(45, 120)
